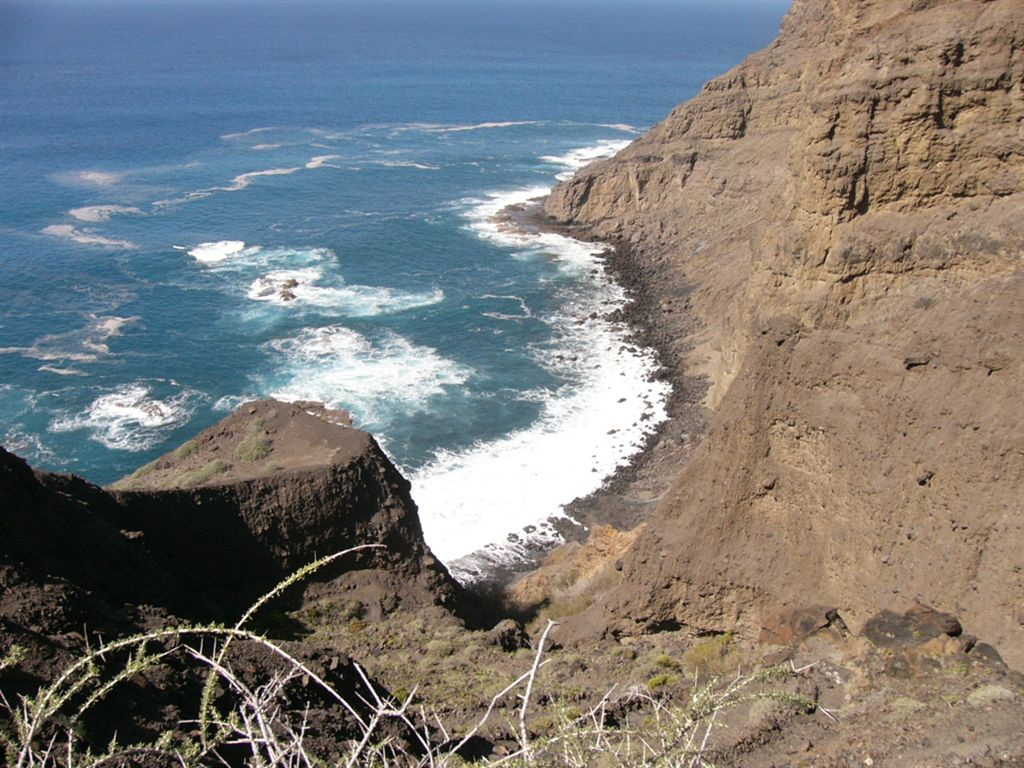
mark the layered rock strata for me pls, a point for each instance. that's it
(842, 213)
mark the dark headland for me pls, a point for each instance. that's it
(825, 247)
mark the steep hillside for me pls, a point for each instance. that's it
(271, 488)
(842, 216)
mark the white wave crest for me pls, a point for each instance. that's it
(572, 256)
(575, 159)
(474, 499)
(130, 418)
(246, 134)
(319, 161)
(343, 369)
(216, 252)
(238, 183)
(407, 164)
(86, 237)
(458, 127)
(299, 288)
(91, 178)
(28, 446)
(243, 180)
(495, 495)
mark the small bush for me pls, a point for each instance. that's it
(661, 680)
(440, 647)
(711, 657)
(204, 473)
(186, 449)
(666, 662)
(253, 448)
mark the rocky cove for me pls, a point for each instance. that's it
(825, 248)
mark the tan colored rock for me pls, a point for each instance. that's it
(846, 206)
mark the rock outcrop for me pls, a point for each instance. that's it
(293, 482)
(842, 214)
(274, 487)
(199, 535)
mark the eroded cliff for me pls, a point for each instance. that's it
(842, 213)
(270, 489)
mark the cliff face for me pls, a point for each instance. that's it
(843, 212)
(200, 534)
(205, 530)
(271, 488)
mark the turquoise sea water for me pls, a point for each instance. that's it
(207, 202)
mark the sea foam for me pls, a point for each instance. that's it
(215, 252)
(95, 213)
(575, 159)
(86, 237)
(130, 418)
(81, 345)
(371, 378)
(495, 495)
(300, 288)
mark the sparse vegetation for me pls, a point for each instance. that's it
(255, 445)
(253, 448)
(204, 474)
(632, 728)
(186, 449)
(711, 657)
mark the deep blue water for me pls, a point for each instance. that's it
(173, 172)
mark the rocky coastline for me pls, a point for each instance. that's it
(824, 249)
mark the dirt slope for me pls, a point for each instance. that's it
(843, 214)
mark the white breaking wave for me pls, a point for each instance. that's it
(343, 369)
(61, 371)
(476, 498)
(28, 446)
(90, 178)
(494, 495)
(238, 183)
(624, 127)
(243, 180)
(461, 127)
(94, 213)
(574, 160)
(298, 288)
(571, 256)
(86, 237)
(406, 164)
(319, 161)
(250, 132)
(216, 252)
(130, 418)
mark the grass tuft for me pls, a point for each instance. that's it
(648, 728)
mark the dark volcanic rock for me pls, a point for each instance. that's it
(292, 483)
(200, 534)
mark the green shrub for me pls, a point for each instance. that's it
(711, 657)
(204, 473)
(186, 449)
(253, 448)
(661, 680)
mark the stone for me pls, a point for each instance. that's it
(509, 635)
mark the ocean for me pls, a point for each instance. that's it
(207, 202)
